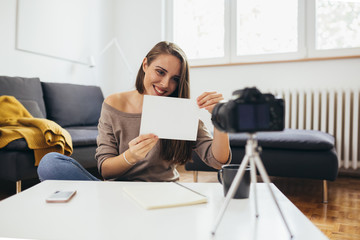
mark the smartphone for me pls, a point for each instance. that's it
(60, 196)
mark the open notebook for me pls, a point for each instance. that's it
(164, 195)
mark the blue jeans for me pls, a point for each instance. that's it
(56, 166)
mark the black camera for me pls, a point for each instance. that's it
(249, 111)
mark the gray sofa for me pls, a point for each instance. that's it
(74, 107)
(290, 153)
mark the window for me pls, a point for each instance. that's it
(199, 27)
(235, 31)
(337, 24)
(261, 29)
(335, 29)
(266, 30)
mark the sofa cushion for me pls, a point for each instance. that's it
(288, 139)
(32, 107)
(72, 104)
(28, 89)
(83, 136)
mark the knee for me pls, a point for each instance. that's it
(49, 159)
(47, 165)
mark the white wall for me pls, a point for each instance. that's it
(19, 63)
(138, 29)
(328, 74)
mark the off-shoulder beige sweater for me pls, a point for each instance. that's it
(117, 129)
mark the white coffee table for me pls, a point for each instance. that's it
(102, 210)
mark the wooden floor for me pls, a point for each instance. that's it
(338, 220)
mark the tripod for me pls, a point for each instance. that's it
(252, 156)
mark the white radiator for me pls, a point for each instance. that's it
(333, 111)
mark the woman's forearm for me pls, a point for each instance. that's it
(116, 166)
(221, 146)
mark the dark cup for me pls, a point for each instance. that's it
(226, 175)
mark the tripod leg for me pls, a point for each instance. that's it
(266, 179)
(253, 184)
(230, 194)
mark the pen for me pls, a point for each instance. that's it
(190, 189)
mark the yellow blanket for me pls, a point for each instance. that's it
(42, 135)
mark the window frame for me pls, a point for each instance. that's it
(306, 39)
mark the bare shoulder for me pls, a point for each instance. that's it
(115, 100)
(112, 99)
(119, 101)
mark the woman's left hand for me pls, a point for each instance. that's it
(208, 100)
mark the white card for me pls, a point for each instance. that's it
(170, 118)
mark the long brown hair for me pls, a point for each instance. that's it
(176, 151)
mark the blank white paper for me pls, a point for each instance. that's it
(170, 118)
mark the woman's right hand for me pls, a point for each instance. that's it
(141, 145)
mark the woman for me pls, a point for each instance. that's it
(124, 155)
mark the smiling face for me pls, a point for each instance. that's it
(162, 75)
(164, 72)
